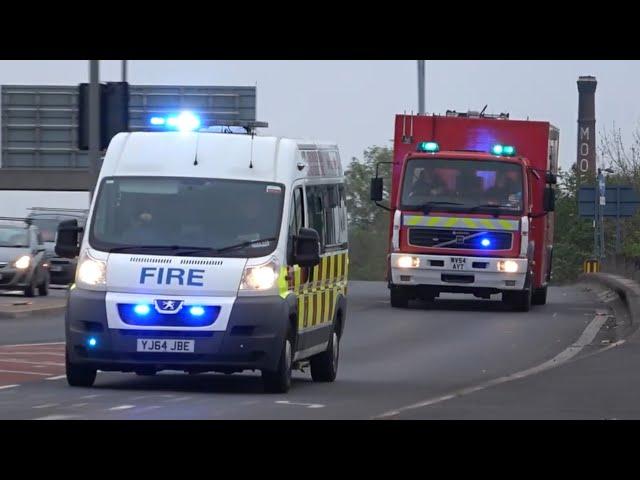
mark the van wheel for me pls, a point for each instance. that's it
(279, 381)
(399, 297)
(324, 366)
(540, 296)
(78, 375)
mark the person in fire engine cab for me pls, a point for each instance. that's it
(428, 184)
(506, 191)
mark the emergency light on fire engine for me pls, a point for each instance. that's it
(503, 150)
(430, 147)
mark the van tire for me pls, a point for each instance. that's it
(78, 375)
(399, 297)
(540, 296)
(279, 381)
(43, 289)
(324, 366)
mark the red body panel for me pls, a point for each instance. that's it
(536, 146)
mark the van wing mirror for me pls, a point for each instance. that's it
(549, 199)
(67, 239)
(376, 189)
(306, 252)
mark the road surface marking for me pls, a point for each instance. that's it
(587, 336)
(33, 344)
(5, 387)
(59, 377)
(46, 405)
(121, 407)
(55, 354)
(57, 417)
(17, 360)
(26, 373)
(91, 396)
(308, 405)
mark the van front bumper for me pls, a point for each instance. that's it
(445, 273)
(252, 340)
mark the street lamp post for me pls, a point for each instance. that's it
(601, 197)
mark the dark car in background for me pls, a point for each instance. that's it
(23, 259)
(62, 270)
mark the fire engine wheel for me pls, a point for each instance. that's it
(539, 296)
(519, 300)
(399, 297)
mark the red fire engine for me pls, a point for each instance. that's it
(471, 206)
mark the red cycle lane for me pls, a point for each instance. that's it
(30, 363)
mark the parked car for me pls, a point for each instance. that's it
(62, 270)
(23, 260)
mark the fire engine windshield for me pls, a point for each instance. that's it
(187, 216)
(462, 185)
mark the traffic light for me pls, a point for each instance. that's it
(114, 112)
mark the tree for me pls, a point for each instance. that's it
(368, 223)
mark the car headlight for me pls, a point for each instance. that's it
(23, 262)
(508, 266)
(91, 272)
(260, 277)
(406, 261)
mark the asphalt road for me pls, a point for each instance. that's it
(458, 358)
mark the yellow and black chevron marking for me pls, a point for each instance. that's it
(591, 266)
(317, 288)
(461, 222)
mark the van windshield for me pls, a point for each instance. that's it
(463, 185)
(187, 216)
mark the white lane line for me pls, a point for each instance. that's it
(95, 395)
(46, 405)
(59, 377)
(585, 339)
(308, 405)
(17, 360)
(121, 407)
(57, 417)
(55, 354)
(26, 373)
(5, 387)
(33, 344)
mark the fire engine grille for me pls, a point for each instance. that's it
(461, 239)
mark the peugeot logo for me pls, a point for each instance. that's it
(168, 306)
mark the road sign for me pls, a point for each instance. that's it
(619, 201)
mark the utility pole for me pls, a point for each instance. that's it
(421, 80)
(94, 123)
(124, 70)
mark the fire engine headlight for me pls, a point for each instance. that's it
(23, 262)
(408, 262)
(260, 277)
(91, 273)
(508, 266)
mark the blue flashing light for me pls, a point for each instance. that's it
(142, 309)
(184, 122)
(485, 242)
(430, 147)
(92, 342)
(196, 311)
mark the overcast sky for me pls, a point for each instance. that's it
(354, 102)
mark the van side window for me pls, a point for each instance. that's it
(316, 213)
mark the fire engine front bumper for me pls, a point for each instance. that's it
(457, 273)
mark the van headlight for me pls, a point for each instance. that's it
(260, 277)
(23, 262)
(91, 273)
(508, 266)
